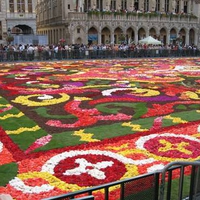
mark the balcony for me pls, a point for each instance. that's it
(131, 17)
(21, 16)
(115, 17)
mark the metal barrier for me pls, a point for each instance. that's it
(151, 186)
(193, 172)
(85, 198)
(44, 55)
(141, 187)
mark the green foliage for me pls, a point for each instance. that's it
(131, 14)
(42, 111)
(7, 172)
(25, 139)
(61, 140)
(9, 38)
(175, 188)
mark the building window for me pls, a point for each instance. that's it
(166, 5)
(185, 9)
(99, 5)
(157, 5)
(11, 6)
(30, 6)
(78, 30)
(21, 6)
(113, 5)
(55, 8)
(146, 5)
(68, 6)
(49, 9)
(123, 4)
(177, 7)
(87, 4)
(136, 5)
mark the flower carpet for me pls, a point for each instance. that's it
(69, 125)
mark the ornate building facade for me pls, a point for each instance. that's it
(17, 17)
(114, 21)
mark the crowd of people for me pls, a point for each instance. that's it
(31, 52)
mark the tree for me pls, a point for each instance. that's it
(122, 38)
(9, 39)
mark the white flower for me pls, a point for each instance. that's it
(19, 185)
(52, 162)
(110, 91)
(155, 168)
(45, 97)
(1, 147)
(31, 82)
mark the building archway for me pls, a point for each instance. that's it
(152, 33)
(130, 35)
(163, 36)
(92, 36)
(118, 36)
(79, 41)
(173, 36)
(181, 36)
(141, 34)
(191, 36)
(105, 36)
(22, 29)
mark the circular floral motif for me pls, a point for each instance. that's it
(87, 168)
(169, 146)
(25, 100)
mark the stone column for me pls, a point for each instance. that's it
(8, 6)
(33, 6)
(152, 5)
(118, 4)
(67, 34)
(141, 5)
(136, 36)
(189, 7)
(99, 37)
(181, 6)
(93, 4)
(162, 5)
(173, 6)
(112, 38)
(131, 5)
(109, 4)
(187, 37)
(15, 6)
(196, 35)
(168, 37)
(26, 6)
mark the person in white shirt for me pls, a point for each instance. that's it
(30, 52)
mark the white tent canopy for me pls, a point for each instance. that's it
(150, 40)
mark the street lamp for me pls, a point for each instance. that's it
(9, 38)
(9, 31)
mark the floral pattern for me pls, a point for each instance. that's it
(71, 125)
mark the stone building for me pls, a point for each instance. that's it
(3, 27)
(17, 17)
(116, 21)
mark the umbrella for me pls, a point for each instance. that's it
(149, 40)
